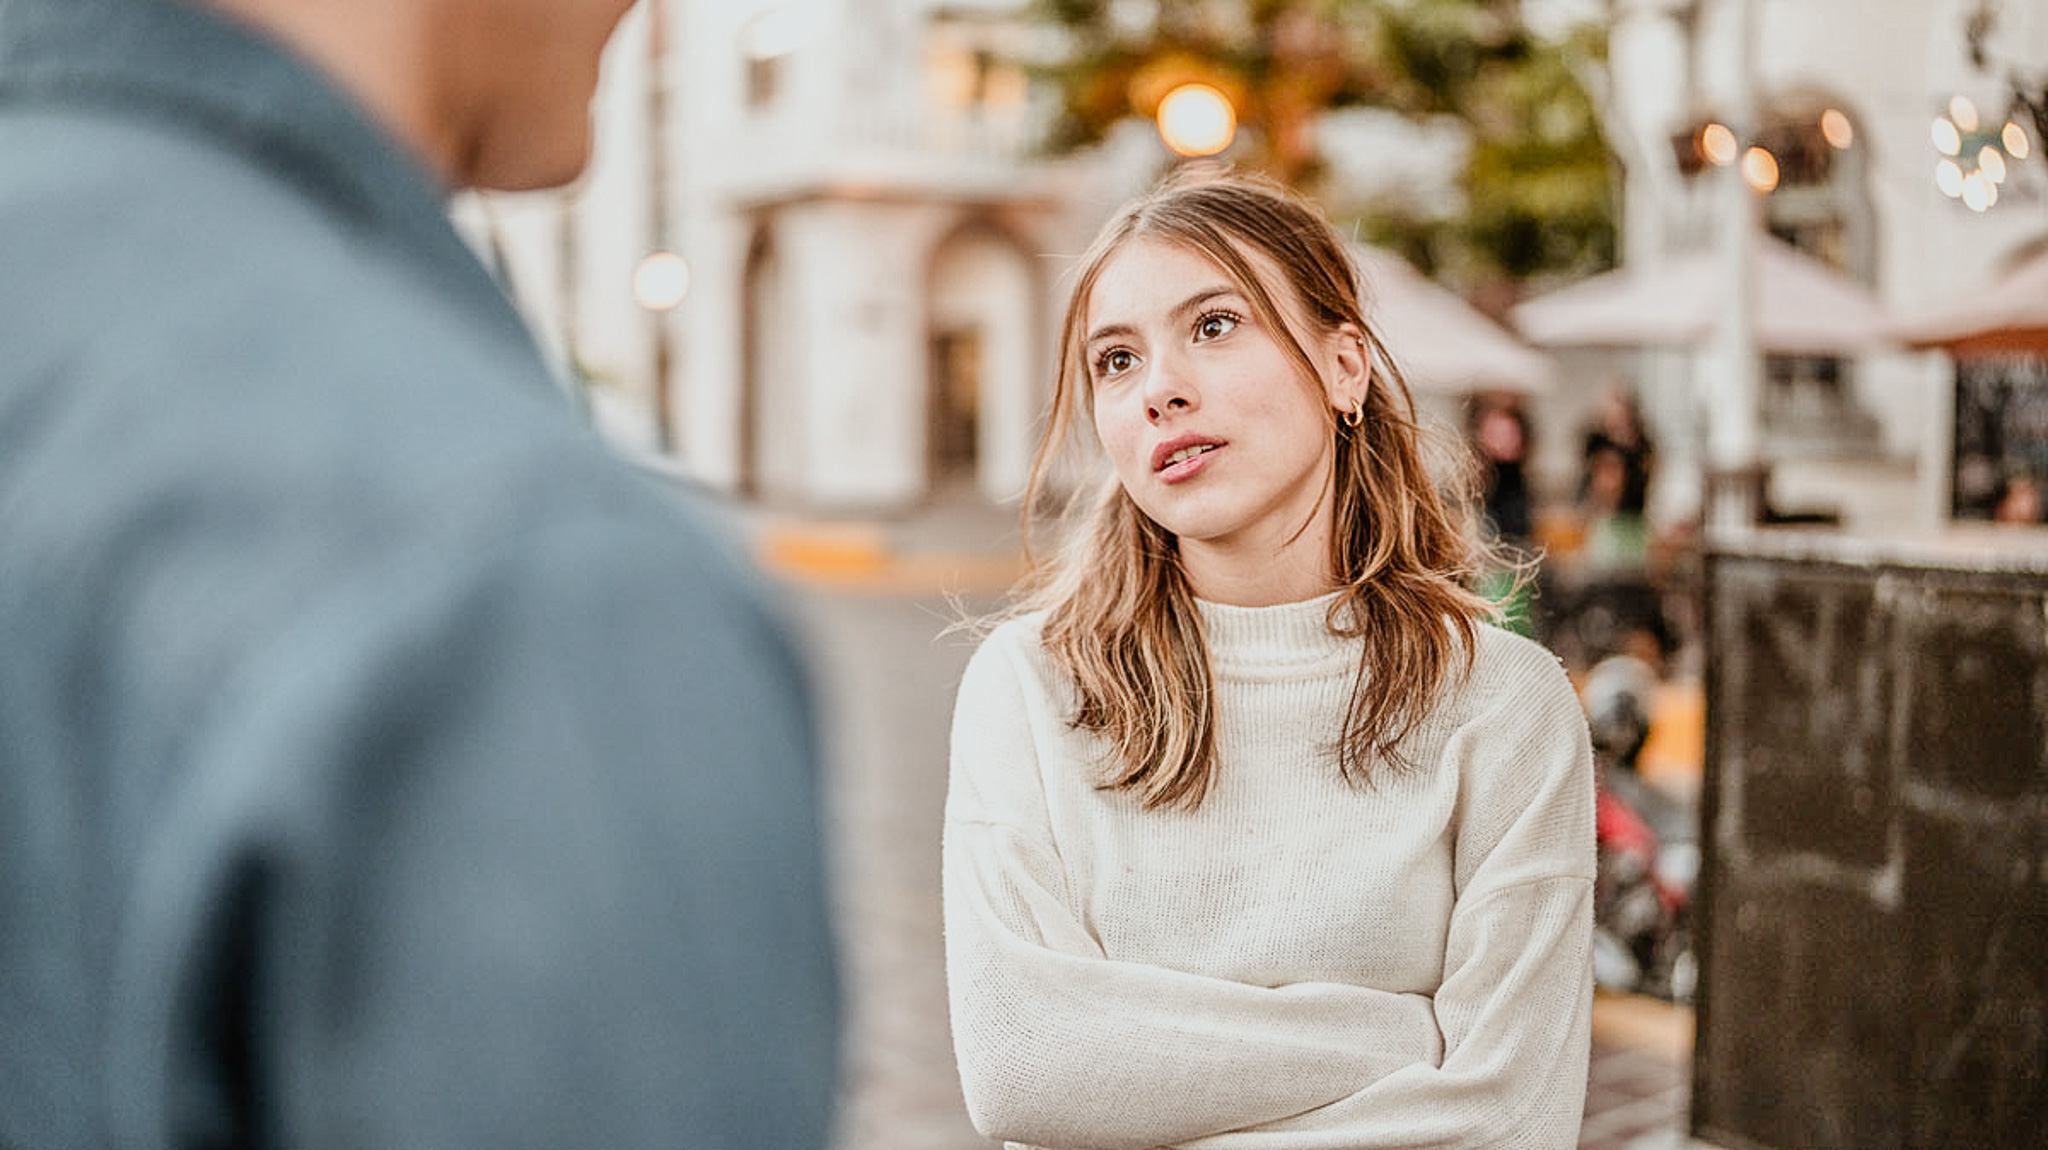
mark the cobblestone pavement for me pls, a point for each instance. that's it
(876, 626)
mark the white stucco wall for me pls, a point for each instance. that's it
(1892, 65)
(861, 192)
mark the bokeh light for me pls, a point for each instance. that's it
(1947, 140)
(1979, 193)
(661, 281)
(1992, 163)
(1718, 144)
(2014, 138)
(1948, 176)
(1760, 169)
(1963, 112)
(1836, 129)
(1197, 120)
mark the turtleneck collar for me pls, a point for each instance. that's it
(1283, 640)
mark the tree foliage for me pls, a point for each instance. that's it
(1536, 192)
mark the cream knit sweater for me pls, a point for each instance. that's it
(1299, 963)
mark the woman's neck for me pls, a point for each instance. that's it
(1261, 573)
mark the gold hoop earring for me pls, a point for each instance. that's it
(1356, 415)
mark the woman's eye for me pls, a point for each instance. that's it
(1215, 324)
(1115, 361)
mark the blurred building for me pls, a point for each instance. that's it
(849, 184)
(1845, 99)
(873, 248)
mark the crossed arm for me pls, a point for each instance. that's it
(1061, 1045)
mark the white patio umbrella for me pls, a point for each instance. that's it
(1802, 306)
(2010, 313)
(1442, 344)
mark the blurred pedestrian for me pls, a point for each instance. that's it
(382, 762)
(1500, 433)
(2019, 500)
(1258, 834)
(1619, 459)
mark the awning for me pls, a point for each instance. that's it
(1800, 306)
(2008, 314)
(1442, 344)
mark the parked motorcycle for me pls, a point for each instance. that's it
(1648, 845)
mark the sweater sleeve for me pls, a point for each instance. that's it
(1059, 1045)
(1515, 1005)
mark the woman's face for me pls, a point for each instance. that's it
(1205, 415)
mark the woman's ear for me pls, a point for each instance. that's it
(1351, 369)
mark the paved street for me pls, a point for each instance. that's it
(875, 626)
(888, 677)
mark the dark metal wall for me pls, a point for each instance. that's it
(1874, 902)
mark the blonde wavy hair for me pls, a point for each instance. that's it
(1120, 617)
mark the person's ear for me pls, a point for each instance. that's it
(1351, 369)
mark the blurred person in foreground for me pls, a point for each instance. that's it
(1259, 836)
(382, 762)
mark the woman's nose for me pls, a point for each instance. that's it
(1167, 390)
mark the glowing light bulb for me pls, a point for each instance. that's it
(1978, 193)
(1718, 145)
(1836, 129)
(661, 281)
(2014, 138)
(1948, 176)
(1760, 169)
(1947, 140)
(1963, 112)
(1197, 120)
(1991, 163)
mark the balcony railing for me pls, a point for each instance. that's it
(903, 149)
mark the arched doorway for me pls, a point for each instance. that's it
(982, 333)
(953, 408)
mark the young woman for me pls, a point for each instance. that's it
(1258, 834)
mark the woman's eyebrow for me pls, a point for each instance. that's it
(1180, 310)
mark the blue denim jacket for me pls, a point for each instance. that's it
(382, 763)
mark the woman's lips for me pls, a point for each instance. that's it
(1179, 460)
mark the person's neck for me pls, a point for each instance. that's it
(373, 52)
(1259, 576)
